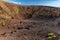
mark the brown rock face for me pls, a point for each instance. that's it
(19, 22)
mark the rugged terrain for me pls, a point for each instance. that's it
(18, 22)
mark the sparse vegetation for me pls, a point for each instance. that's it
(16, 9)
(2, 22)
(51, 36)
(6, 16)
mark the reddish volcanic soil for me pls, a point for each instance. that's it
(28, 22)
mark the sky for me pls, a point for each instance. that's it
(54, 3)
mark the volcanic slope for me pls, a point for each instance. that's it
(18, 22)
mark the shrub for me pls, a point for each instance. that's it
(51, 36)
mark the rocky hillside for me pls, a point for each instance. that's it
(27, 11)
(18, 22)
